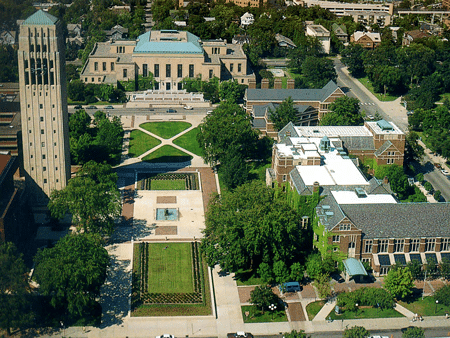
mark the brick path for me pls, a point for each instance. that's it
(308, 291)
(296, 312)
(208, 183)
(128, 205)
(244, 293)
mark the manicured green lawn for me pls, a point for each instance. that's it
(170, 268)
(165, 130)
(168, 185)
(425, 307)
(189, 142)
(141, 142)
(313, 308)
(167, 154)
(365, 313)
(256, 316)
(365, 81)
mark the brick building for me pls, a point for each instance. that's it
(366, 40)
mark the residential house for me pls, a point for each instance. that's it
(8, 38)
(284, 41)
(340, 31)
(411, 36)
(117, 33)
(322, 34)
(367, 40)
(247, 19)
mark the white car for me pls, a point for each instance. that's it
(370, 117)
(165, 336)
(445, 172)
(188, 107)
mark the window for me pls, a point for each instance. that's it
(95, 66)
(31, 48)
(42, 119)
(31, 144)
(44, 168)
(336, 239)
(43, 157)
(99, 79)
(57, 180)
(368, 246)
(445, 244)
(112, 66)
(56, 168)
(168, 71)
(54, 144)
(144, 70)
(399, 245)
(167, 85)
(31, 156)
(284, 178)
(45, 180)
(54, 119)
(191, 70)
(43, 144)
(41, 106)
(32, 168)
(125, 73)
(104, 66)
(345, 227)
(42, 131)
(390, 161)
(44, 48)
(51, 63)
(56, 156)
(180, 70)
(38, 48)
(156, 72)
(180, 86)
(92, 79)
(383, 245)
(54, 131)
(211, 73)
(351, 245)
(430, 244)
(414, 244)
(231, 67)
(156, 85)
(239, 67)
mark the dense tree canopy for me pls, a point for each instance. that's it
(242, 234)
(356, 332)
(72, 272)
(14, 309)
(399, 282)
(91, 197)
(283, 114)
(344, 112)
(227, 127)
(318, 71)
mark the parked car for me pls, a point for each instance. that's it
(445, 172)
(438, 166)
(91, 107)
(239, 334)
(171, 111)
(370, 117)
(209, 112)
(78, 106)
(290, 287)
(165, 336)
(188, 107)
(109, 107)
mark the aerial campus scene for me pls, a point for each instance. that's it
(224, 168)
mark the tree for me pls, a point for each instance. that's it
(415, 267)
(344, 112)
(242, 234)
(75, 90)
(318, 71)
(356, 332)
(428, 186)
(297, 272)
(399, 282)
(227, 127)
(231, 91)
(109, 137)
(263, 297)
(281, 272)
(352, 57)
(413, 332)
(437, 195)
(234, 169)
(79, 123)
(91, 197)
(444, 268)
(317, 266)
(283, 114)
(14, 309)
(414, 151)
(72, 272)
(295, 334)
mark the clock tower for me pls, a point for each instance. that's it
(43, 105)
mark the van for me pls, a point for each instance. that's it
(290, 287)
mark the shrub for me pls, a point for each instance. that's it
(443, 295)
(399, 282)
(437, 195)
(356, 332)
(262, 297)
(428, 186)
(420, 177)
(416, 269)
(366, 297)
(413, 332)
(323, 285)
(265, 272)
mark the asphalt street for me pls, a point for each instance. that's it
(120, 110)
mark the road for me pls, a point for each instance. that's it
(120, 110)
(390, 111)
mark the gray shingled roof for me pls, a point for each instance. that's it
(328, 210)
(298, 183)
(400, 220)
(260, 110)
(279, 95)
(358, 142)
(287, 128)
(383, 148)
(259, 123)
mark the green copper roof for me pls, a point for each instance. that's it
(40, 18)
(168, 45)
(354, 267)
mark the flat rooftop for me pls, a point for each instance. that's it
(332, 131)
(351, 197)
(384, 127)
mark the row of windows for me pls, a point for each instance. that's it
(45, 168)
(37, 34)
(239, 67)
(43, 156)
(45, 180)
(399, 245)
(38, 48)
(104, 66)
(42, 131)
(168, 70)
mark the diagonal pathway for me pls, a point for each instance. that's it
(324, 311)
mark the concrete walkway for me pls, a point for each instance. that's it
(404, 311)
(324, 311)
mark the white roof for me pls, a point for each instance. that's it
(350, 197)
(376, 128)
(332, 131)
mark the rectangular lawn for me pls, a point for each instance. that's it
(168, 185)
(170, 268)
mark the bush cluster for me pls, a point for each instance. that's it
(366, 297)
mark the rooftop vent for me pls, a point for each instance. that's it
(325, 207)
(329, 213)
(360, 193)
(385, 125)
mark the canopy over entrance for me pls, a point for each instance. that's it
(354, 267)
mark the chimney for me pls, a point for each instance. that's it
(316, 187)
(290, 84)
(251, 84)
(385, 180)
(277, 83)
(265, 84)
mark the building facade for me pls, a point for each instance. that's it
(43, 105)
(322, 34)
(170, 56)
(366, 40)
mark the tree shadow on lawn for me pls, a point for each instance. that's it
(116, 292)
(170, 159)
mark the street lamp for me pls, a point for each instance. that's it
(378, 306)
(356, 308)
(435, 310)
(272, 308)
(64, 329)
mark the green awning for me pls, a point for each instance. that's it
(354, 267)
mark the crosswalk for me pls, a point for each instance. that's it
(366, 104)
